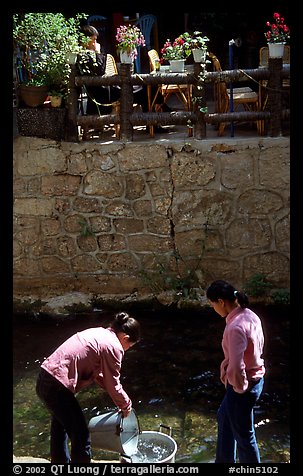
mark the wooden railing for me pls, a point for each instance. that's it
(273, 114)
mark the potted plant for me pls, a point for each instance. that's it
(277, 35)
(56, 98)
(41, 43)
(176, 53)
(129, 38)
(197, 45)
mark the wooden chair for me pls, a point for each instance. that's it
(110, 70)
(243, 97)
(182, 91)
(263, 56)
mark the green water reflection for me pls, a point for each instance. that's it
(172, 376)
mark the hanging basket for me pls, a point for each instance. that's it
(276, 50)
(177, 66)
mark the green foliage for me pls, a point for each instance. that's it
(183, 280)
(199, 97)
(78, 308)
(195, 40)
(281, 296)
(165, 280)
(28, 306)
(86, 228)
(44, 40)
(257, 285)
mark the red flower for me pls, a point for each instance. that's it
(278, 32)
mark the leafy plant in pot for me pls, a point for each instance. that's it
(41, 44)
(196, 43)
(176, 53)
(55, 98)
(128, 39)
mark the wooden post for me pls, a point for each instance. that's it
(71, 128)
(199, 101)
(126, 101)
(274, 104)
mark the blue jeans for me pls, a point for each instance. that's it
(236, 430)
(67, 421)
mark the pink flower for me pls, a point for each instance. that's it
(129, 38)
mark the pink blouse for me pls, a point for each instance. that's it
(242, 344)
(92, 355)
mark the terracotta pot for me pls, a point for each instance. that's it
(33, 96)
(276, 50)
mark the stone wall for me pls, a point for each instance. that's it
(116, 218)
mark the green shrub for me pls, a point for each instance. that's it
(281, 296)
(257, 285)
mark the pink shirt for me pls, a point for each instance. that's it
(242, 345)
(93, 355)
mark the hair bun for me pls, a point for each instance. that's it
(122, 317)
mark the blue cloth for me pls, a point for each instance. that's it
(236, 432)
(67, 421)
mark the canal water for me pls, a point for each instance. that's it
(171, 375)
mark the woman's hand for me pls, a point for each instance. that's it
(125, 413)
(97, 47)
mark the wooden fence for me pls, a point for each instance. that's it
(273, 114)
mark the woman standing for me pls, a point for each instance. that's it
(241, 372)
(93, 355)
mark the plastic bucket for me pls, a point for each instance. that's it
(112, 432)
(153, 447)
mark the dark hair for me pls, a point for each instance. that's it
(223, 290)
(124, 323)
(89, 30)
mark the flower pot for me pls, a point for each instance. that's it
(32, 96)
(177, 66)
(199, 55)
(71, 57)
(276, 50)
(125, 57)
(56, 101)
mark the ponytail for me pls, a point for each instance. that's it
(242, 299)
(223, 290)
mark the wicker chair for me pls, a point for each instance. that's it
(263, 56)
(182, 91)
(110, 70)
(243, 97)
